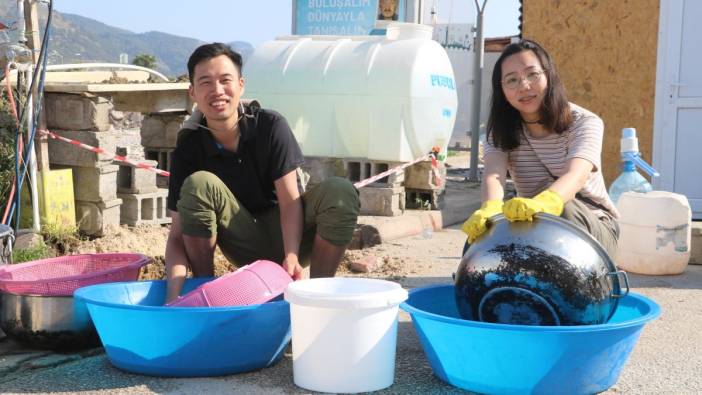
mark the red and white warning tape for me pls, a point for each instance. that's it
(430, 156)
(400, 168)
(112, 156)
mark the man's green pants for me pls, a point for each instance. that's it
(207, 207)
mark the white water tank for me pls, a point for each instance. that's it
(389, 98)
(655, 232)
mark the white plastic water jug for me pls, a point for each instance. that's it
(655, 232)
(389, 98)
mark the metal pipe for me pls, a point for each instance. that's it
(420, 12)
(81, 66)
(478, 61)
(57, 67)
(21, 28)
(434, 13)
(36, 221)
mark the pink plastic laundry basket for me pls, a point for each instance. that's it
(256, 283)
(63, 275)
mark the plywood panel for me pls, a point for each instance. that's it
(606, 55)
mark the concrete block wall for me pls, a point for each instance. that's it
(126, 120)
(132, 179)
(421, 176)
(385, 197)
(86, 119)
(361, 169)
(95, 184)
(162, 157)
(416, 176)
(77, 112)
(145, 208)
(159, 135)
(161, 130)
(129, 144)
(424, 199)
(422, 188)
(97, 179)
(64, 154)
(382, 201)
(94, 217)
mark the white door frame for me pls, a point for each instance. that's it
(668, 102)
(667, 68)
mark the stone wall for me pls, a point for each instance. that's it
(606, 56)
(106, 192)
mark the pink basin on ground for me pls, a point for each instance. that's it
(256, 283)
(62, 275)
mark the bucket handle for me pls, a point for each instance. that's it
(621, 273)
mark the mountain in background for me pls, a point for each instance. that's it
(77, 39)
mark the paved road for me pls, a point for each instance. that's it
(667, 358)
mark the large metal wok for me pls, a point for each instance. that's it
(544, 272)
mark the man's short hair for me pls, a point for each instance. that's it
(209, 51)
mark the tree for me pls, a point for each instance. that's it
(145, 60)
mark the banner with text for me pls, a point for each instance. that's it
(346, 17)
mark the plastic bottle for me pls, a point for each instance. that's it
(630, 179)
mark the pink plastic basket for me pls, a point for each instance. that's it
(63, 275)
(256, 283)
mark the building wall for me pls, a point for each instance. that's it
(605, 52)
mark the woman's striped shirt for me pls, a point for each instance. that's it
(537, 162)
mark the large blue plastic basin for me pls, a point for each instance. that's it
(142, 336)
(506, 359)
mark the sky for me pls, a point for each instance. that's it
(256, 21)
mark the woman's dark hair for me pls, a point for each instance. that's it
(505, 122)
(209, 51)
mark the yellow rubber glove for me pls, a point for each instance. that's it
(475, 225)
(523, 209)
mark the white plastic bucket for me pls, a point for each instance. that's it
(344, 333)
(655, 232)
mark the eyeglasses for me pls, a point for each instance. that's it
(514, 81)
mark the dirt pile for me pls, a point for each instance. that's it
(398, 259)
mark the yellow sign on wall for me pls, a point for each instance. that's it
(56, 201)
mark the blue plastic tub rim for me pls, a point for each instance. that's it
(653, 313)
(79, 294)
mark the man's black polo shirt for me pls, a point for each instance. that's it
(267, 151)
